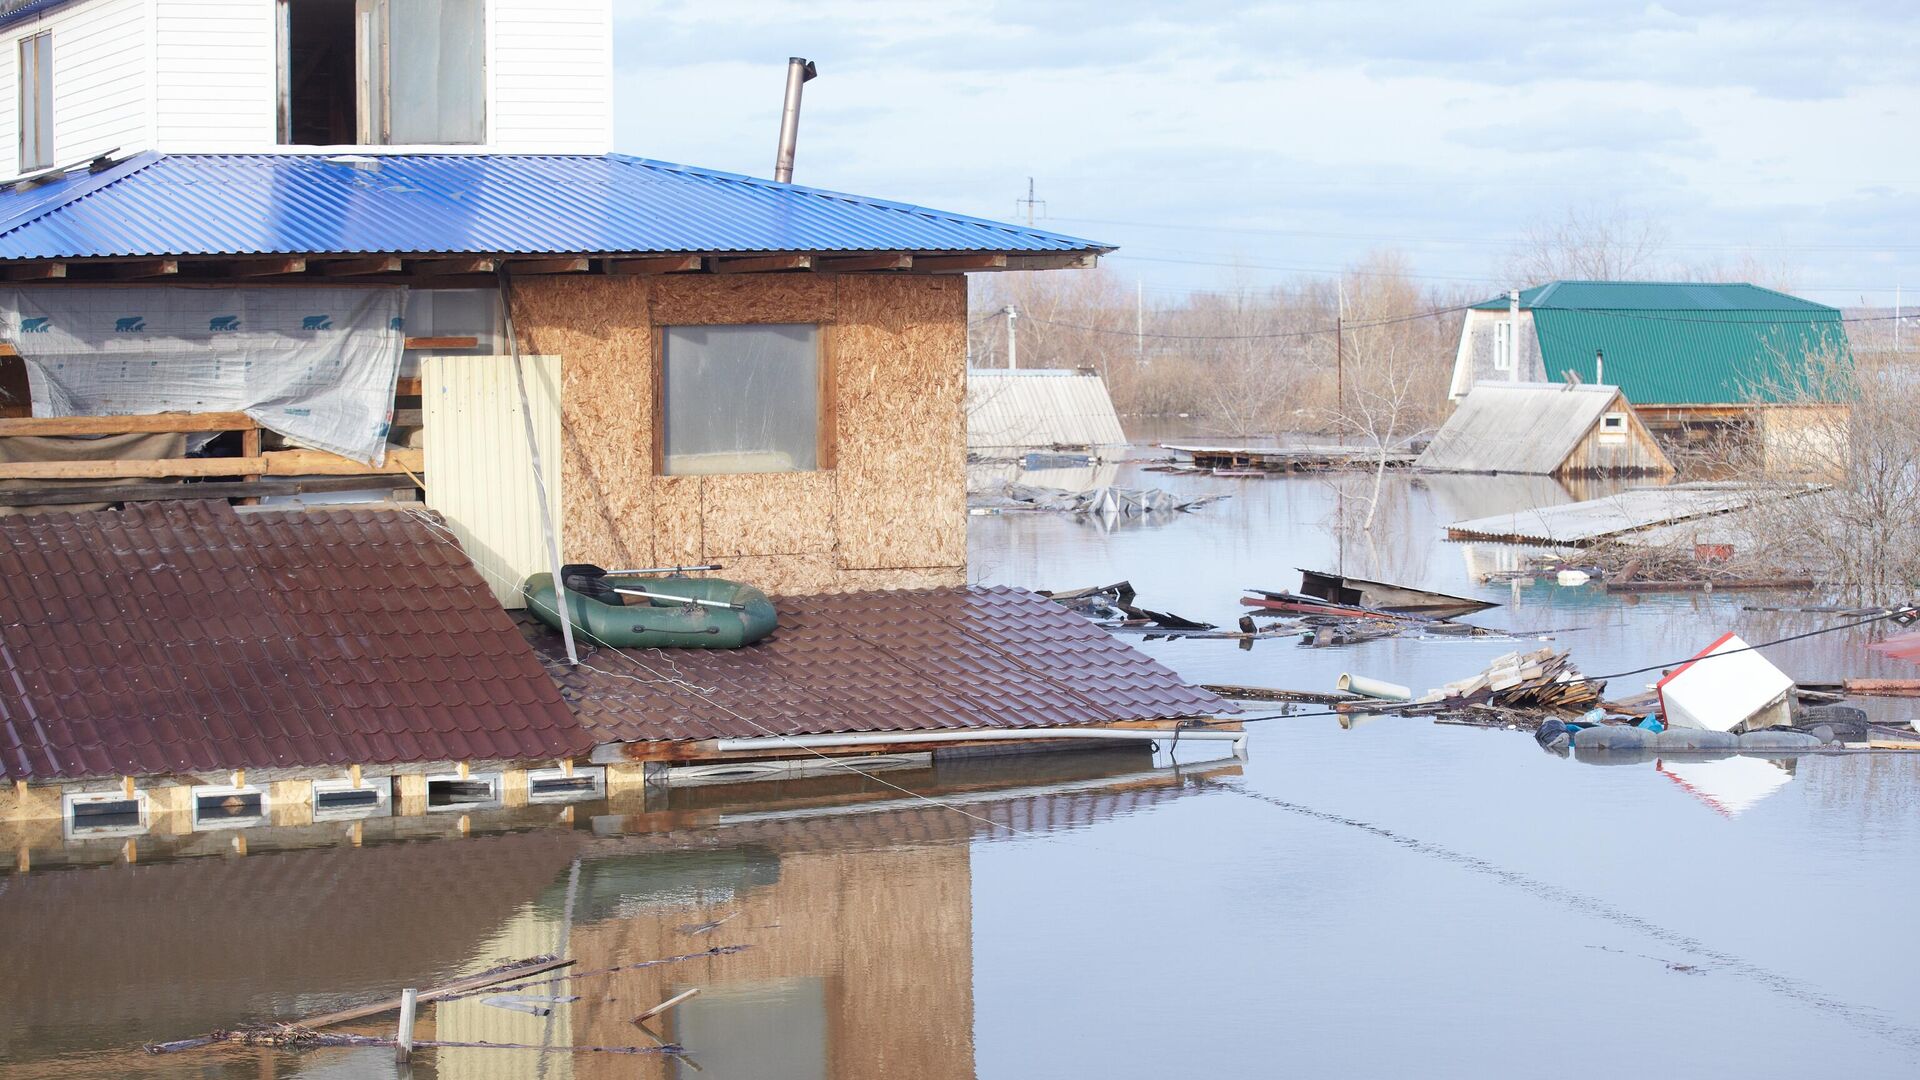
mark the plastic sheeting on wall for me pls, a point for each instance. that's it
(315, 365)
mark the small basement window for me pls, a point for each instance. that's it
(454, 792)
(36, 101)
(336, 800)
(556, 785)
(105, 814)
(228, 807)
(741, 399)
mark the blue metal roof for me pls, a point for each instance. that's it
(15, 11)
(212, 205)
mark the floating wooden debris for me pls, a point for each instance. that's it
(1387, 596)
(1245, 460)
(1544, 679)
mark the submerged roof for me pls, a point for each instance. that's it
(1656, 296)
(175, 637)
(1040, 408)
(920, 660)
(213, 205)
(1527, 428)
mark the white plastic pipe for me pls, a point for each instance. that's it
(1373, 688)
(816, 742)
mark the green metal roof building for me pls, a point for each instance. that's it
(1665, 344)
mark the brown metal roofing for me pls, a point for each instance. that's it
(877, 662)
(176, 637)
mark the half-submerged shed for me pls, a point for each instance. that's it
(1013, 412)
(1546, 429)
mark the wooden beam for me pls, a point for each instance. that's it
(666, 264)
(271, 463)
(39, 270)
(381, 264)
(320, 463)
(957, 264)
(128, 425)
(548, 266)
(848, 264)
(441, 343)
(140, 268)
(7, 349)
(762, 264)
(1066, 260)
(246, 268)
(448, 267)
(162, 491)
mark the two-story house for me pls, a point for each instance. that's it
(274, 250)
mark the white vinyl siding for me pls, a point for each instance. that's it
(216, 78)
(552, 76)
(100, 98)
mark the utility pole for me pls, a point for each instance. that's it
(1339, 350)
(1896, 318)
(1140, 323)
(1013, 340)
(1029, 202)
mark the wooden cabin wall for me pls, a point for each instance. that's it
(1634, 452)
(887, 511)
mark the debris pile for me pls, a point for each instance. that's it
(1107, 501)
(1544, 679)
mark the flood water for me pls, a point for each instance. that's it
(1401, 898)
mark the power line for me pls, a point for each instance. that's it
(1254, 337)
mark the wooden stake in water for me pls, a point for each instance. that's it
(403, 1041)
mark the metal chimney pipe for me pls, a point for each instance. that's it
(800, 71)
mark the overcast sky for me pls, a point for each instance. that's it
(1249, 143)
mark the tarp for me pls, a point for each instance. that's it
(136, 447)
(315, 365)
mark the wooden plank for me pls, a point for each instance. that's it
(79, 494)
(382, 264)
(7, 349)
(438, 267)
(246, 268)
(857, 263)
(407, 386)
(38, 270)
(272, 463)
(127, 425)
(320, 463)
(481, 981)
(957, 264)
(666, 264)
(142, 268)
(762, 264)
(441, 343)
(1065, 260)
(548, 266)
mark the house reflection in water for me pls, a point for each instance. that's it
(854, 902)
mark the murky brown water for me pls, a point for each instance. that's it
(1396, 899)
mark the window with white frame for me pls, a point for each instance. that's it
(740, 399)
(35, 101)
(1503, 345)
(1614, 421)
(382, 72)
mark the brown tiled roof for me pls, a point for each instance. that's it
(184, 636)
(879, 661)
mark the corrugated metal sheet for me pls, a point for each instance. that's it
(184, 637)
(1656, 296)
(1016, 411)
(1540, 429)
(1697, 357)
(189, 205)
(17, 11)
(906, 661)
(1629, 511)
(480, 475)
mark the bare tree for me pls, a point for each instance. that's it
(1607, 243)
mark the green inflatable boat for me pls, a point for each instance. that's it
(641, 612)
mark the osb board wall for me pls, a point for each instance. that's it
(890, 513)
